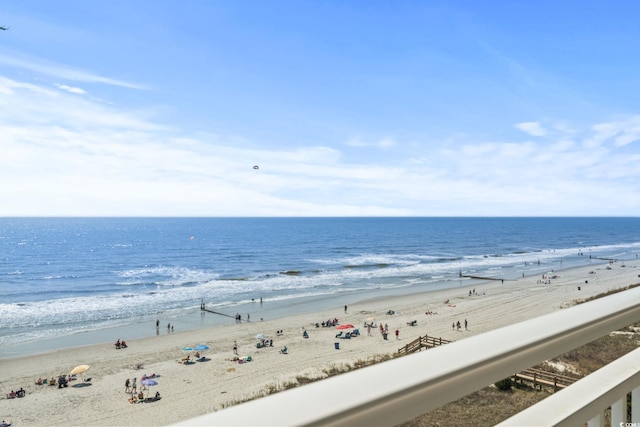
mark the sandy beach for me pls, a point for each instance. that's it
(189, 390)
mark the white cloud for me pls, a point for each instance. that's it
(621, 132)
(383, 143)
(71, 89)
(68, 155)
(532, 128)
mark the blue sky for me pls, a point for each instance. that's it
(349, 108)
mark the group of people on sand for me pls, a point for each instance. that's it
(14, 394)
(457, 325)
(134, 399)
(140, 398)
(121, 344)
(264, 342)
(328, 323)
(384, 330)
(42, 381)
(130, 387)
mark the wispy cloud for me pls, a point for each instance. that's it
(532, 128)
(28, 105)
(382, 143)
(620, 132)
(61, 71)
(71, 89)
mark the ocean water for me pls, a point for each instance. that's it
(61, 277)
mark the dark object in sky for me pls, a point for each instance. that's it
(3, 28)
(256, 167)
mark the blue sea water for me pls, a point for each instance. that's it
(60, 277)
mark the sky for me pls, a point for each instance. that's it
(319, 108)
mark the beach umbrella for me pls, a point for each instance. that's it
(148, 382)
(201, 347)
(79, 369)
(260, 336)
(347, 326)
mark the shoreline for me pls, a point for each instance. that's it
(193, 319)
(202, 387)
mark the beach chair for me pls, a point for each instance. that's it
(339, 335)
(62, 381)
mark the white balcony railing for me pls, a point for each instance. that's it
(398, 390)
(586, 399)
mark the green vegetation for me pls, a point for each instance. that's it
(504, 384)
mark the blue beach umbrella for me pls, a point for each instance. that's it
(149, 383)
(201, 347)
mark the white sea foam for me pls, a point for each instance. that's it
(172, 285)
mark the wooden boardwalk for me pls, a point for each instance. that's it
(420, 343)
(538, 379)
(535, 377)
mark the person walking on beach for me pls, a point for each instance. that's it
(134, 386)
(127, 386)
(235, 347)
(465, 325)
(397, 333)
(345, 309)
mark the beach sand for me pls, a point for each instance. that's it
(191, 390)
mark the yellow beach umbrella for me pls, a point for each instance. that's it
(79, 369)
